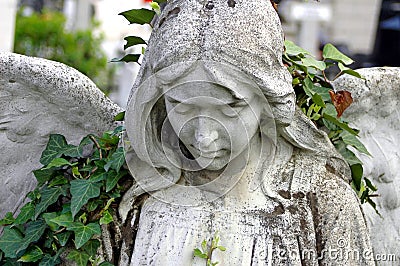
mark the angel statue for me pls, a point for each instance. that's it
(226, 169)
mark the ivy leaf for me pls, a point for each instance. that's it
(91, 247)
(63, 238)
(65, 220)
(352, 140)
(98, 177)
(33, 232)
(349, 71)
(33, 254)
(57, 162)
(54, 148)
(198, 253)
(49, 260)
(43, 175)
(48, 216)
(106, 263)
(341, 100)
(120, 116)
(128, 58)
(356, 175)
(331, 52)
(81, 258)
(84, 232)
(293, 49)
(82, 190)
(8, 219)
(348, 155)
(113, 178)
(370, 185)
(317, 99)
(342, 125)
(10, 241)
(106, 218)
(117, 160)
(27, 212)
(312, 62)
(138, 16)
(48, 197)
(132, 41)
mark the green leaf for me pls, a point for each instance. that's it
(370, 185)
(106, 263)
(81, 258)
(82, 190)
(342, 125)
(352, 140)
(132, 41)
(323, 92)
(91, 247)
(33, 254)
(34, 195)
(84, 232)
(58, 181)
(308, 87)
(332, 53)
(317, 99)
(221, 248)
(348, 155)
(48, 197)
(357, 174)
(139, 16)
(57, 162)
(54, 148)
(27, 212)
(10, 241)
(198, 253)
(293, 49)
(113, 178)
(106, 218)
(92, 205)
(43, 175)
(120, 116)
(98, 177)
(349, 71)
(65, 220)
(128, 58)
(48, 216)
(8, 219)
(312, 62)
(117, 160)
(33, 232)
(49, 260)
(63, 238)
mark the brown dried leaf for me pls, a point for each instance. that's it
(275, 5)
(341, 100)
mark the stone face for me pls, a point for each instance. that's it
(281, 199)
(375, 112)
(39, 97)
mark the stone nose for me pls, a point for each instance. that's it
(205, 133)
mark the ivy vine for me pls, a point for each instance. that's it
(78, 190)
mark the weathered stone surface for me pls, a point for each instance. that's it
(39, 97)
(281, 199)
(375, 112)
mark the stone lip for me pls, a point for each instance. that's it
(39, 97)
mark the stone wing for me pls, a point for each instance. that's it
(39, 97)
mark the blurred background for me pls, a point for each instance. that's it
(87, 34)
